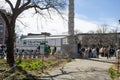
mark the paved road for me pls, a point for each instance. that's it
(82, 69)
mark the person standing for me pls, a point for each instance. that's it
(54, 51)
(97, 52)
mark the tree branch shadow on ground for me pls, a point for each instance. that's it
(51, 77)
(79, 71)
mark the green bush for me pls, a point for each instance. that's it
(113, 73)
(7, 74)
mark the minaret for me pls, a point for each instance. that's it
(71, 38)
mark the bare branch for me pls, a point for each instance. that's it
(17, 4)
(25, 4)
(37, 12)
(49, 13)
(30, 6)
(10, 4)
(22, 23)
(36, 6)
(59, 13)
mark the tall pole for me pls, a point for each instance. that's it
(71, 18)
(71, 37)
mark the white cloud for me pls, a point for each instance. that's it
(84, 26)
(55, 25)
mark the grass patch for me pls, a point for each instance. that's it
(28, 69)
(33, 64)
(2, 62)
(113, 73)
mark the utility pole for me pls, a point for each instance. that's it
(71, 36)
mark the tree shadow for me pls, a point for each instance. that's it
(29, 76)
(52, 77)
(20, 74)
(23, 72)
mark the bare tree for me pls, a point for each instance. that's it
(16, 9)
(101, 36)
(91, 31)
(102, 28)
(113, 31)
(77, 31)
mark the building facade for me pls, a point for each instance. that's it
(2, 31)
(33, 41)
(101, 40)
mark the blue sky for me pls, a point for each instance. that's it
(88, 15)
(101, 11)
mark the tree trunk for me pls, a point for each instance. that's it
(10, 45)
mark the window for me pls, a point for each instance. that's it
(0, 19)
(1, 23)
(1, 30)
(1, 39)
(24, 42)
(1, 36)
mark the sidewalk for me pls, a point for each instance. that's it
(82, 69)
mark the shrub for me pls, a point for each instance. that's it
(112, 73)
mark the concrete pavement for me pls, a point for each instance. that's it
(82, 69)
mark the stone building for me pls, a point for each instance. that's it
(91, 40)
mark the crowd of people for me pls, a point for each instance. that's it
(95, 52)
(84, 52)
